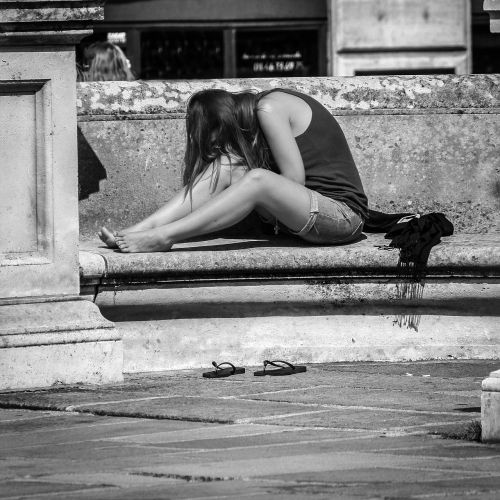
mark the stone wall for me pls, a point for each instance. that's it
(426, 143)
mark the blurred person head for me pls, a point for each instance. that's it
(107, 62)
(221, 123)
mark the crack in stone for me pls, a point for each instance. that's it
(185, 477)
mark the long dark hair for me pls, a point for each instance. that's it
(221, 123)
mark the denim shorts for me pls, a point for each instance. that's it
(330, 222)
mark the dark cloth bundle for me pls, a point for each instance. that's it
(415, 238)
(414, 235)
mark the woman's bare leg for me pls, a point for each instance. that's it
(287, 200)
(180, 205)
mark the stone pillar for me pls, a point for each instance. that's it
(490, 397)
(493, 9)
(490, 408)
(48, 334)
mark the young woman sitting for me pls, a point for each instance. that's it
(279, 152)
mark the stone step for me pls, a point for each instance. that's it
(178, 328)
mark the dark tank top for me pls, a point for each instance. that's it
(328, 163)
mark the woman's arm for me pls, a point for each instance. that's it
(204, 189)
(179, 206)
(274, 120)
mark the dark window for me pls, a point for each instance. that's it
(262, 53)
(485, 46)
(182, 54)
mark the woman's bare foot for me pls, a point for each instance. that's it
(107, 237)
(151, 240)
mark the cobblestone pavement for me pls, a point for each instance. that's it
(356, 430)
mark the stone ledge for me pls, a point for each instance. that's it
(47, 22)
(460, 256)
(360, 94)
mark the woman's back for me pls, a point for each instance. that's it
(328, 163)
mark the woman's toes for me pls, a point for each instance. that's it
(107, 237)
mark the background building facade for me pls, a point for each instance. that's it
(171, 39)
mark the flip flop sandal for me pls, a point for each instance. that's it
(223, 372)
(289, 369)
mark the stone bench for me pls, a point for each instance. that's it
(463, 257)
(421, 143)
(311, 303)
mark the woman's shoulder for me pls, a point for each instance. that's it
(278, 97)
(272, 100)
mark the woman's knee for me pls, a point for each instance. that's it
(258, 176)
(256, 181)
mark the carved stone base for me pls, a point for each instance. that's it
(490, 408)
(57, 341)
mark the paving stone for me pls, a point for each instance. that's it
(284, 464)
(368, 420)
(22, 488)
(169, 456)
(374, 474)
(99, 428)
(313, 436)
(419, 401)
(84, 451)
(197, 409)
(387, 488)
(196, 488)
(113, 478)
(456, 451)
(479, 368)
(194, 434)
(283, 438)
(369, 386)
(318, 462)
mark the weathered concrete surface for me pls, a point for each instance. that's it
(164, 331)
(490, 408)
(423, 143)
(388, 444)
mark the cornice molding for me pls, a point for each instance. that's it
(47, 22)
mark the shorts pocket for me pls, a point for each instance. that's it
(335, 225)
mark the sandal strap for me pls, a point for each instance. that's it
(218, 366)
(275, 363)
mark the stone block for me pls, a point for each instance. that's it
(57, 342)
(400, 36)
(39, 231)
(396, 24)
